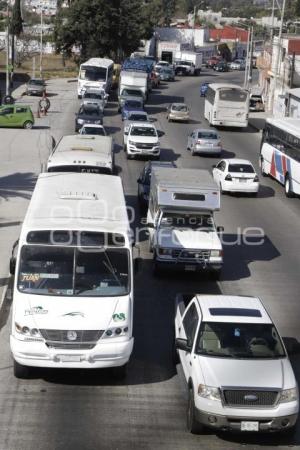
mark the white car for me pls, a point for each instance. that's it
(141, 140)
(93, 129)
(162, 64)
(236, 175)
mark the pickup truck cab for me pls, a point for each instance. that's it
(235, 364)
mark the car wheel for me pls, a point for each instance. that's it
(28, 125)
(192, 424)
(20, 371)
(287, 187)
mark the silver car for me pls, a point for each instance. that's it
(95, 97)
(204, 141)
(178, 112)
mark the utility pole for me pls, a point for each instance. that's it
(7, 55)
(246, 79)
(272, 22)
(41, 45)
(251, 57)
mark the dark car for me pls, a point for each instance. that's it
(145, 178)
(88, 114)
(222, 66)
(131, 105)
(203, 89)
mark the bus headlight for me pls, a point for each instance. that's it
(27, 333)
(115, 332)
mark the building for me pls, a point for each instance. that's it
(229, 33)
(282, 72)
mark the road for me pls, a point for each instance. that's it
(90, 410)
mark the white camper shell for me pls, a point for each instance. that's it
(133, 80)
(73, 290)
(182, 232)
(83, 153)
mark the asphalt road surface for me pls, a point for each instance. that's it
(89, 410)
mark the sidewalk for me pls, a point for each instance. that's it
(257, 119)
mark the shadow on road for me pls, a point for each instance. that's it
(17, 185)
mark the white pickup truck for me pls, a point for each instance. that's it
(235, 364)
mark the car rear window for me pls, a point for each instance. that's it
(207, 135)
(179, 107)
(240, 168)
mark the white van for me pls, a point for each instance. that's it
(73, 290)
(82, 153)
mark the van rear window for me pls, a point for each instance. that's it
(75, 238)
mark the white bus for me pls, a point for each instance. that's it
(280, 153)
(226, 105)
(96, 73)
(73, 290)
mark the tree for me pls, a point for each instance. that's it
(99, 27)
(15, 29)
(297, 8)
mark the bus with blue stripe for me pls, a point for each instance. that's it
(280, 153)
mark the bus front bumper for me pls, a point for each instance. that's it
(104, 354)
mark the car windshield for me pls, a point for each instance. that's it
(181, 108)
(93, 130)
(73, 271)
(133, 92)
(92, 95)
(90, 111)
(143, 131)
(138, 117)
(239, 340)
(193, 221)
(37, 82)
(184, 63)
(240, 168)
(207, 135)
(133, 104)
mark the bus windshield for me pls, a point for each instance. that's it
(91, 73)
(73, 271)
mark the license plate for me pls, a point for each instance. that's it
(190, 268)
(243, 180)
(249, 426)
(70, 358)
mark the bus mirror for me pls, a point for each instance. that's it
(12, 265)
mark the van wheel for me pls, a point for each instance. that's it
(119, 373)
(21, 372)
(192, 424)
(28, 125)
(287, 187)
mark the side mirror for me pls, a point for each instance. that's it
(160, 133)
(12, 265)
(220, 229)
(182, 344)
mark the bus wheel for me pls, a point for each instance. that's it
(287, 186)
(262, 168)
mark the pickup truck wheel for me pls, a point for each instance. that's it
(216, 274)
(21, 372)
(192, 424)
(119, 373)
